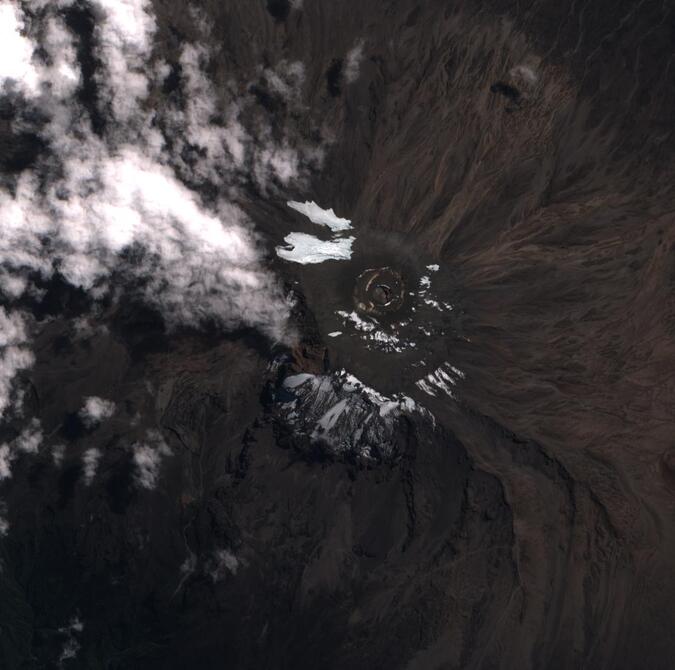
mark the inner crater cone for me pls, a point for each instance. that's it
(379, 291)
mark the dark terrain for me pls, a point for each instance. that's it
(528, 149)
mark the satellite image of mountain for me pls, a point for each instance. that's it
(337, 334)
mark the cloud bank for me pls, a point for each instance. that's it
(117, 199)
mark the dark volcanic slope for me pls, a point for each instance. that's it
(525, 147)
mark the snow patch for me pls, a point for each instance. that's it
(374, 336)
(357, 321)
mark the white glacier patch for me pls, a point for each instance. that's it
(320, 216)
(306, 249)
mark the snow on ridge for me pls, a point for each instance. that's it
(342, 413)
(306, 249)
(442, 379)
(320, 216)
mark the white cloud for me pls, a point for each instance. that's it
(96, 410)
(90, 459)
(30, 438)
(148, 458)
(4, 526)
(287, 79)
(21, 70)
(120, 192)
(203, 150)
(281, 162)
(222, 146)
(525, 73)
(353, 60)
(16, 51)
(71, 646)
(58, 453)
(6, 458)
(224, 561)
(75, 625)
(12, 286)
(189, 565)
(14, 354)
(28, 441)
(125, 36)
